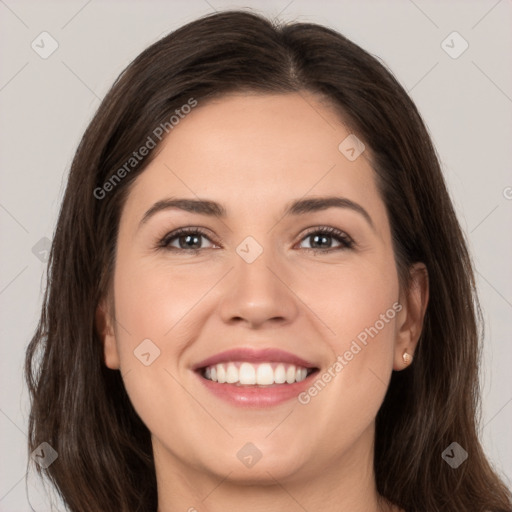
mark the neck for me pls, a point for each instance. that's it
(334, 483)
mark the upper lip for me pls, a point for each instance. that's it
(252, 355)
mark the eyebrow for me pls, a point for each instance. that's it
(298, 207)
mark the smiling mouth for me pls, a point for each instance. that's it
(242, 373)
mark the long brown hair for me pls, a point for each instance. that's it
(80, 407)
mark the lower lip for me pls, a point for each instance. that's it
(256, 396)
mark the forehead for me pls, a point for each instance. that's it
(245, 150)
(257, 128)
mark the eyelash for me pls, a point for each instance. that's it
(339, 236)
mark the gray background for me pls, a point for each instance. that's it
(46, 105)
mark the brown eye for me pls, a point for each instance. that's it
(186, 239)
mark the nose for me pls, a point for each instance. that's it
(258, 293)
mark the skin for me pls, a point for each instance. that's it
(244, 151)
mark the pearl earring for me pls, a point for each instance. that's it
(407, 358)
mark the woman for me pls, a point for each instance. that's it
(259, 294)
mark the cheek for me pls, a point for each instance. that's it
(366, 317)
(155, 315)
(153, 299)
(355, 299)
(149, 303)
(359, 304)
(346, 396)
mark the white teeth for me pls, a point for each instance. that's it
(280, 374)
(265, 375)
(221, 373)
(249, 374)
(232, 374)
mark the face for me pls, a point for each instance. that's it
(275, 318)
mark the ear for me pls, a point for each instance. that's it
(105, 327)
(414, 302)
